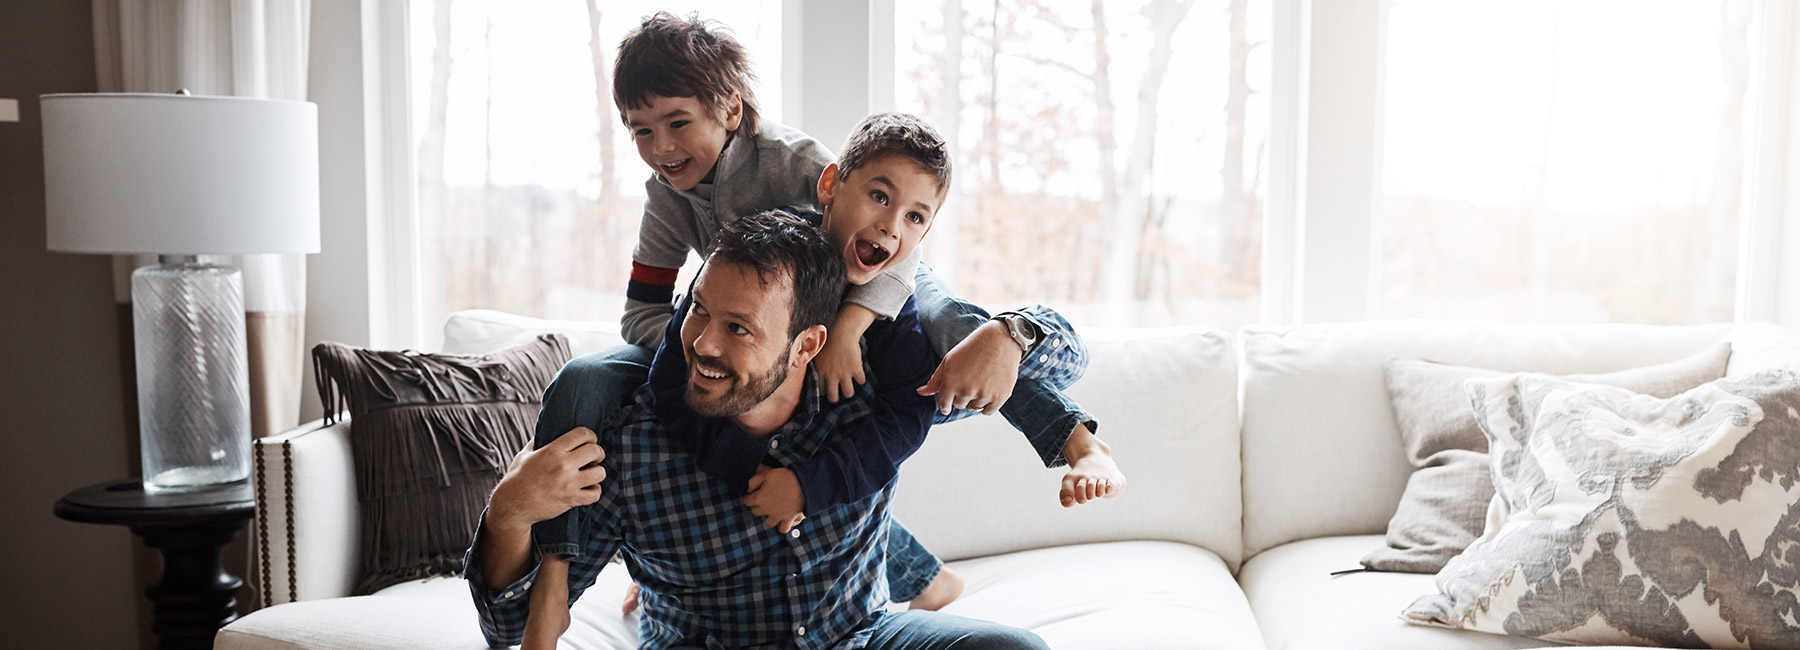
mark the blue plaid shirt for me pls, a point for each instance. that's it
(712, 575)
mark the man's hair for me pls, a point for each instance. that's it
(896, 134)
(671, 56)
(776, 243)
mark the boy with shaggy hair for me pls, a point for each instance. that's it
(684, 89)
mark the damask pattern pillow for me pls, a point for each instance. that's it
(1620, 518)
(1446, 498)
(430, 436)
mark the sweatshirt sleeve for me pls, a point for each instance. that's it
(889, 290)
(655, 262)
(857, 461)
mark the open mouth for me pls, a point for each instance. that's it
(709, 373)
(675, 168)
(870, 254)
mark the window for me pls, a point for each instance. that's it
(529, 189)
(1109, 156)
(1565, 161)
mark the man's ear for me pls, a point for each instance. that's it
(807, 346)
(734, 112)
(828, 182)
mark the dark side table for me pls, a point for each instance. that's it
(196, 596)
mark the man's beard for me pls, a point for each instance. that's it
(743, 394)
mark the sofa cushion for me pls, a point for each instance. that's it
(1322, 454)
(1446, 498)
(430, 435)
(1139, 595)
(1299, 605)
(1166, 401)
(1622, 518)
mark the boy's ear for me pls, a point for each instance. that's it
(734, 112)
(828, 184)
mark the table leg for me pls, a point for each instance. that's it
(196, 596)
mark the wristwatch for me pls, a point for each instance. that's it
(1022, 330)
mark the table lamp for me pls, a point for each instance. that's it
(182, 176)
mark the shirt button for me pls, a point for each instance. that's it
(507, 595)
(795, 533)
(774, 444)
(1043, 358)
(800, 630)
(793, 575)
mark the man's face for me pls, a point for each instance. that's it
(680, 137)
(736, 339)
(877, 215)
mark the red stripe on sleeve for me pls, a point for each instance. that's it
(653, 274)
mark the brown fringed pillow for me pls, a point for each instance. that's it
(431, 435)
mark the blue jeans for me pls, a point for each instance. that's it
(1037, 408)
(590, 391)
(912, 630)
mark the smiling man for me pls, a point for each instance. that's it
(712, 574)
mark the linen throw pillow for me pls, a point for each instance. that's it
(1620, 518)
(1446, 498)
(431, 435)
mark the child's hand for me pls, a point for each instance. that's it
(775, 496)
(979, 372)
(840, 367)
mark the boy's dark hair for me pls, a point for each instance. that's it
(671, 56)
(776, 242)
(897, 134)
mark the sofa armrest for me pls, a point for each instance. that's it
(305, 532)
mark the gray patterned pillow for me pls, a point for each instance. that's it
(1446, 498)
(1625, 519)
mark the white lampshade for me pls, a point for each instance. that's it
(174, 174)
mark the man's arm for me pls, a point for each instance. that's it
(538, 485)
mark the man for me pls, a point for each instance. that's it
(712, 574)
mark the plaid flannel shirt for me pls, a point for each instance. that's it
(712, 575)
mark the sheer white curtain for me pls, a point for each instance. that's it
(243, 48)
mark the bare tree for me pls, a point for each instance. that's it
(1122, 286)
(1234, 202)
(1713, 296)
(949, 122)
(607, 227)
(431, 146)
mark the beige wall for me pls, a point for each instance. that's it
(66, 585)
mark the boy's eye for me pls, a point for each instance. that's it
(641, 133)
(678, 124)
(879, 196)
(915, 217)
(699, 310)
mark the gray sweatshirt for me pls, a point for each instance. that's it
(778, 167)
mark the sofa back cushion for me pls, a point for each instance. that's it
(1321, 451)
(1165, 400)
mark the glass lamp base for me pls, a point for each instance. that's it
(193, 374)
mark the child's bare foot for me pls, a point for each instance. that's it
(548, 616)
(946, 587)
(1092, 472)
(631, 603)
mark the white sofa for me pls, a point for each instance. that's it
(1259, 464)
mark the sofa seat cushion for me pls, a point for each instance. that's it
(1140, 595)
(1299, 605)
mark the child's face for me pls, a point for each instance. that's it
(680, 137)
(878, 214)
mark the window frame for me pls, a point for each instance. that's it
(1321, 239)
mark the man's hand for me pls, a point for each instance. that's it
(775, 496)
(979, 372)
(543, 483)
